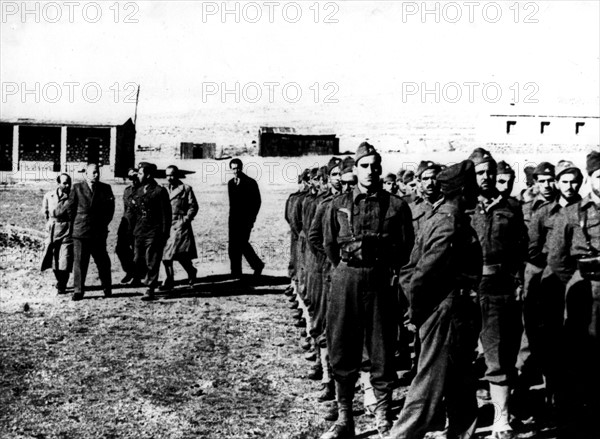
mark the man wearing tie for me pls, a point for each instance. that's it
(244, 204)
(91, 207)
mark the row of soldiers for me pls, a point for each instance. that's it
(467, 267)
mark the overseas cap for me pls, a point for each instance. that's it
(365, 149)
(408, 176)
(305, 176)
(334, 162)
(505, 168)
(592, 162)
(347, 165)
(544, 168)
(566, 166)
(481, 155)
(455, 177)
(426, 165)
(390, 177)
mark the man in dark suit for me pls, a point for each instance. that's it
(244, 204)
(91, 207)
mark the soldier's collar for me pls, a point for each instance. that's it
(590, 200)
(357, 195)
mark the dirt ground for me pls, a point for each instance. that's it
(220, 360)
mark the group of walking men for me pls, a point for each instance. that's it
(156, 226)
(472, 271)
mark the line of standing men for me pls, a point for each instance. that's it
(482, 266)
(156, 226)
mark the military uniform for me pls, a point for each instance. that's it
(366, 237)
(58, 248)
(573, 338)
(125, 240)
(444, 266)
(152, 225)
(503, 237)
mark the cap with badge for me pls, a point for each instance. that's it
(334, 162)
(566, 166)
(480, 156)
(505, 168)
(426, 165)
(592, 162)
(457, 176)
(544, 168)
(365, 149)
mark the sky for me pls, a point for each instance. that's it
(367, 60)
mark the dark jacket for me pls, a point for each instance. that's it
(152, 211)
(244, 200)
(446, 258)
(354, 215)
(91, 213)
(502, 234)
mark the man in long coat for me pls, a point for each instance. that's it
(181, 245)
(58, 251)
(91, 208)
(244, 204)
(152, 226)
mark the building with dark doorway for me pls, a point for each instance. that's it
(38, 149)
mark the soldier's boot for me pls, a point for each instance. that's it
(383, 407)
(306, 343)
(327, 392)
(294, 304)
(500, 427)
(331, 412)
(300, 323)
(297, 314)
(316, 372)
(344, 426)
(289, 291)
(369, 401)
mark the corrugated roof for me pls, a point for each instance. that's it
(51, 122)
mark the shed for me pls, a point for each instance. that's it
(285, 141)
(190, 150)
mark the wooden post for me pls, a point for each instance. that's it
(112, 152)
(15, 149)
(63, 149)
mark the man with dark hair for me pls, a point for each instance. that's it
(538, 214)
(445, 264)
(503, 237)
(505, 179)
(181, 245)
(91, 207)
(389, 183)
(368, 234)
(574, 258)
(125, 241)
(58, 252)
(319, 279)
(244, 205)
(152, 226)
(429, 193)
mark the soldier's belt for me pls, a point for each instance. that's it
(492, 269)
(589, 267)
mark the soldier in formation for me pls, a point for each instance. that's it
(513, 279)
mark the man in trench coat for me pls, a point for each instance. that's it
(181, 245)
(58, 251)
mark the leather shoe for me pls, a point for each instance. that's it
(310, 356)
(107, 292)
(289, 291)
(294, 305)
(327, 392)
(167, 285)
(128, 278)
(315, 374)
(300, 323)
(76, 297)
(306, 344)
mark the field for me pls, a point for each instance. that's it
(217, 361)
